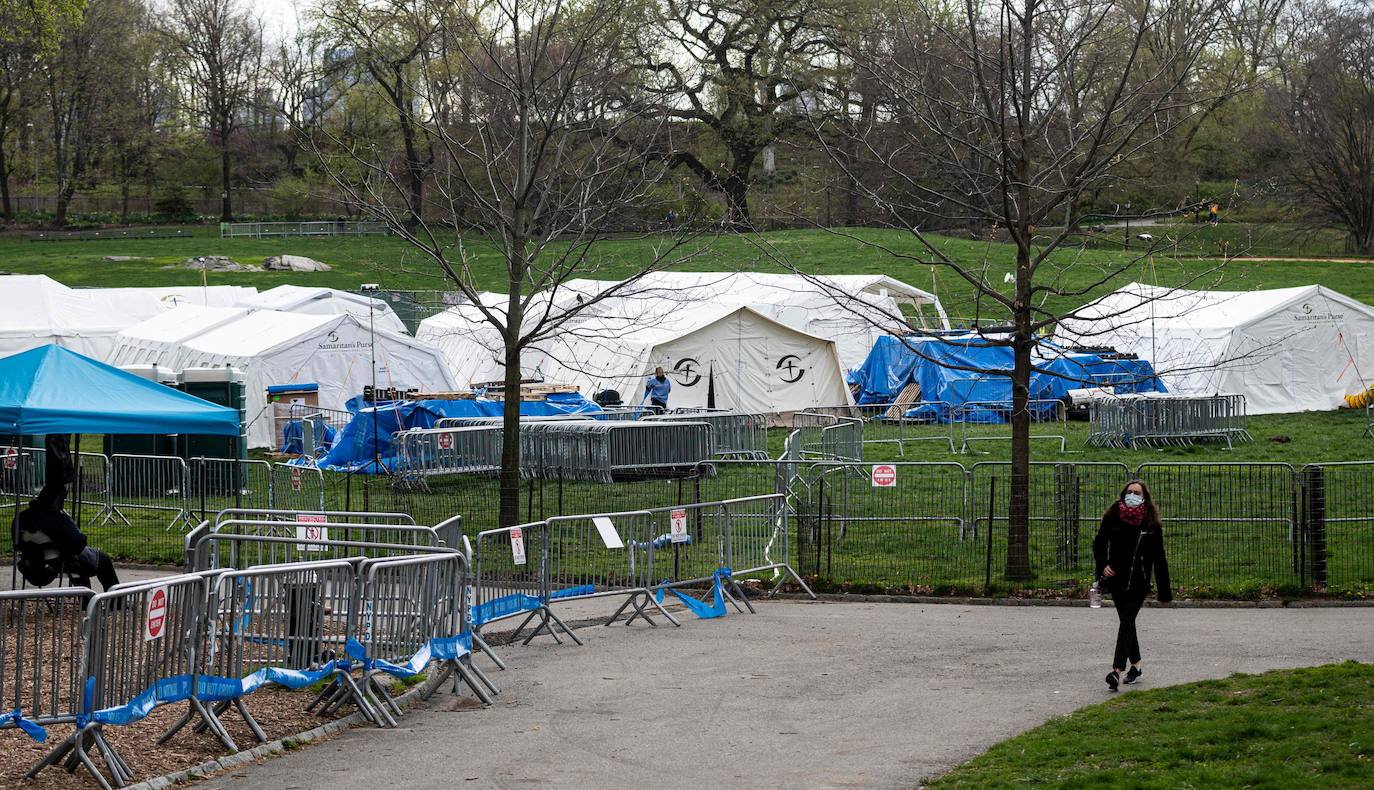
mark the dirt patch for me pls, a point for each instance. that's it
(280, 713)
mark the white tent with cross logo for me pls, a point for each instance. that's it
(728, 357)
(273, 347)
(1284, 349)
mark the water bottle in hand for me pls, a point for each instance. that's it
(1095, 596)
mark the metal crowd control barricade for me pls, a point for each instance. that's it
(757, 538)
(1167, 420)
(830, 436)
(743, 436)
(309, 533)
(40, 655)
(447, 450)
(297, 488)
(991, 421)
(414, 611)
(903, 423)
(601, 451)
(148, 483)
(512, 580)
(582, 561)
(219, 550)
(139, 653)
(221, 483)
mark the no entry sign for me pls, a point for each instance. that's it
(677, 525)
(11, 458)
(295, 479)
(517, 546)
(884, 476)
(155, 619)
(445, 441)
(310, 532)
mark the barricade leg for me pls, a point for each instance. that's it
(639, 599)
(209, 720)
(75, 752)
(481, 644)
(547, 621)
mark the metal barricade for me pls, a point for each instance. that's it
(310, 528)
(297, 488)
(742, 436)
(447, 450)
(1166, 420)
(154, 483)
(414, 610)
(139, 653)
(40, 655)
(221, 483)
(603, 554)
(829, 436)
(219, 550)
(991, 421)
(904, 423)
(512, 580)
(1338, 523)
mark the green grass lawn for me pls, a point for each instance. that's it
(1304, 728)
(395, 265)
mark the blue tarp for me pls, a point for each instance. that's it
(53, 390)
(948, 370)
(354, 450)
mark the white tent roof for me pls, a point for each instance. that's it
(273, 347)
(752, 362)
(146, 342)
(326, 301)
(1285, 349)
(36, 310)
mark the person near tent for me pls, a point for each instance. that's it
(49, 543)
(656, 389)
(1129, 549)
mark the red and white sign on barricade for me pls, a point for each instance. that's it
(884, 476)
(677, 525)
(155, 618)
(11, 457)
(517, 546)
(445, 441)
(311, 532)
(295, 479)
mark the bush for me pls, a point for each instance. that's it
(172, 205)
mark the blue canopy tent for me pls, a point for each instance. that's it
(53, 390)
(959, 370)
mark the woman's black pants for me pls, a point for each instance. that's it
(1127, 646)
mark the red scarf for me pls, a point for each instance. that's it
(1131, 515)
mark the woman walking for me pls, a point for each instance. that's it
(1129, 549)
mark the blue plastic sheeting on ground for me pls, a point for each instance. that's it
(948, 370)
(293, 435)
(30, 728)
(702, 609)
(53, 390)
(354, 448)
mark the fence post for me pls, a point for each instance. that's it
(1312, 485)
(1067, 500)
(992, 510)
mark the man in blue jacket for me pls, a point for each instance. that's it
(656, 389)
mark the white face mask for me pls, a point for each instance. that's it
(1133, 500)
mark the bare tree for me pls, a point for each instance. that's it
(999, 116)
(1325, 102)
(302, 71)
(221, 48)
(545, 169)
(742, 69)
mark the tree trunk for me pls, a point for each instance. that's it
(1018, 506)
(124, 202)
(64, 199)
(6, 206)
(226, 213)
(510, 422)
(735, 186)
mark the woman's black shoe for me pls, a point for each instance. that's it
(1133, 674)
(1112, 680)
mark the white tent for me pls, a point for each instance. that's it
(1286, 349)
(326, 301)
(750, 361)
(36, 310)
(850, 310)
(157, 340)
(271, 347)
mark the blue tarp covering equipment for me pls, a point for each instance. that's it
(947, 371)
(54, 390)
(353, 448)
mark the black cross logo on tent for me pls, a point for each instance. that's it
(793, 371)
(686, 369)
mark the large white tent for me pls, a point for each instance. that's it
(326, 301)
(36, 310)
(850, 310)
(747, 360)
(272, 347)
(1286, 349)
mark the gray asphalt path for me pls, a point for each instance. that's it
(801, 695)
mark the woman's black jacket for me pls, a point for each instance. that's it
(1135, 553)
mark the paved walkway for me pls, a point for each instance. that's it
(802, 695)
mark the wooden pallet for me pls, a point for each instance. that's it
(909, 395)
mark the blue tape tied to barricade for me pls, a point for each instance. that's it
(30, 728)
(210, 688)
(702, 609)
(515, 603)
(444, 648)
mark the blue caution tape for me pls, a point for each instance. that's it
(702, 609)
(446, 648)
(209, 689)
(505, 606)
(572, 592)
(30, 728)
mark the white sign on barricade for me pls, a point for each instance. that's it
(311, 532)
(884, 476)
(295, 479)
(155, 618)
(11, 458)
(677, 525)
(517, 546)
(445, 441)
(609, 536)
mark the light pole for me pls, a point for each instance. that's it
(369, 289)
(33, 174)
